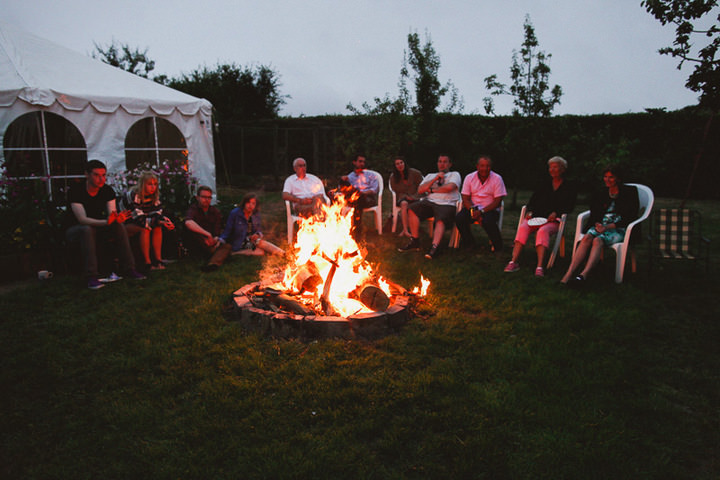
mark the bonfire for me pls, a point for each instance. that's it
(328, 271)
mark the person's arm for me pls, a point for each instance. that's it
(425, 186)
(78, 209)
(493, 205)
(466, 201)
(373, 183)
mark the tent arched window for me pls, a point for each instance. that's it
(42, 146)
(153, 140)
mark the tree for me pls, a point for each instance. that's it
(425, 64)
(122, 56)
(705, 78)
(688, 46)
(238, 93)
(530, 80)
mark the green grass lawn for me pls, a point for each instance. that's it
(498, 376)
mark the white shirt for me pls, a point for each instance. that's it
(449, 198)
(307, 187)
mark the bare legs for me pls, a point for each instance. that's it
(263, 247)
(147, 239)
(590, 247)
(404, 217)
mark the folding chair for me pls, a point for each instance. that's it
(677, 235)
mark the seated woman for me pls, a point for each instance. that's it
(611, 211)
(404, 182)
(242, 235)
(147, 219)
(550, 201)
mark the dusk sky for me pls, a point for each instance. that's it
(328, 53)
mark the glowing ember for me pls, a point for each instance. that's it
(329, 269)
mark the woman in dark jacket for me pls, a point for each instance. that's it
(550, 201)
(611, 211)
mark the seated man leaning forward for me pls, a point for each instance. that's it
(482, 194)
(303, 190)
(96, 221)
(442, 196)
(368, 187)
(203, 223)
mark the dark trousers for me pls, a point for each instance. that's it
(463, 220)
(90, 239)
(365, 200)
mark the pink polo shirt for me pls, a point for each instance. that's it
(482, 194)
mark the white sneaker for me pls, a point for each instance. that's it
(113, 277)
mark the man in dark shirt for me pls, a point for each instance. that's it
(97, 220)
(203, 223)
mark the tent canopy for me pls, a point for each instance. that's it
(102, 101)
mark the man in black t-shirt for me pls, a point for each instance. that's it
(96, 219)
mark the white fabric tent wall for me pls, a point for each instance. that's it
(103, 102)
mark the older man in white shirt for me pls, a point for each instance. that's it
(303, 190)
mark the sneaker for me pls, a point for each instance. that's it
(210, 267)
(539, 272)
(512, 267)
(113, 277)
(158, 265)
(94, 284)
(432, 253)
(413, 244)
(135, 275)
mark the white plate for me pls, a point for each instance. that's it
(537, 221)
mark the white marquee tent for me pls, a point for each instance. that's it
(101, 101)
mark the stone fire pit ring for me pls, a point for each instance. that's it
(369, 326)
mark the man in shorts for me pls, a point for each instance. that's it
(440, 203)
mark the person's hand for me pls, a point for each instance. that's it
(529, 215)
(552, 217)
(123, 216)
(475, 214)
(344, 178)
(210, 241)
(112, 216)
(439, 178)
(167, 223)
(599, 227)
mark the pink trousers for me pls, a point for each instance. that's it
(542, 235)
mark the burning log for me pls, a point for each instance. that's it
(288, 303)
(325, 298)
(307, 278)
(374, 298)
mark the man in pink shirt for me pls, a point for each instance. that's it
(482, 192)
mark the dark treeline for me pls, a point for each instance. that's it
(657, 148)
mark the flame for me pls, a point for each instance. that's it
(324, 240)
(325, 250)
(423, 288)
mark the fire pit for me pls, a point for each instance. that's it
(258, 310)
(327, 288)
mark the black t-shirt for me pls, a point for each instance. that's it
(95, 206)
